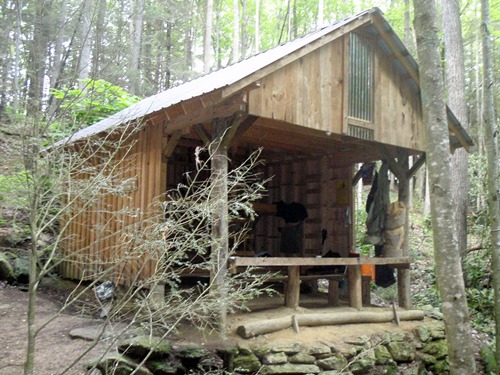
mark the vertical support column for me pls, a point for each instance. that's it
(220, 234)
(404, 293)
(292, 295)
(354, 284)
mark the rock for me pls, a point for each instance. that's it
(427, 359)
(423, 333)
(398, 337)
(94, 332)
(6, 270)
(402, 351)
(22, 270)
(289, 368)
(364, 364)
(335, 362)
(140, 346)
(319, 350)
(246, 364)
(441, 367)
(302, 358)
(164, 367)
(438, 349)
(117, 364)
(347, 350)
(359, 341)
(437, 332)
(287, 349)
(382, 355)
(191, 356)
(261, 351)
(244, 349)
(275, 358)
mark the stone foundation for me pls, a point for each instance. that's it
(422, 351)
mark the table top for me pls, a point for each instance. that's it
(313, 261)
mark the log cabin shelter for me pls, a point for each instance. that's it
(319, 107)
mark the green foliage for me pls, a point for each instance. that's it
(488, 356)
(13, 190)
(85, 106)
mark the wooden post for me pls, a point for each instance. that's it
(404, 293)
(220, 248)
(333, 292)
(355, 293)
(293, 288)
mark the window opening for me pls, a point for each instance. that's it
(360, 78)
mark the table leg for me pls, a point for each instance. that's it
(355, 293)
(293, 288)
(333, 292)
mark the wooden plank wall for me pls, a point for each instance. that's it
(307, 92)
(102, 235)
(314, 183)
(398, 114)
(310, 92)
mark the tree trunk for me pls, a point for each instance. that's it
(446, 252)
(207, 37)
(137, 7)
(491, 143)
(257, 26)
(84, 62)
(455, 82)
(236, 30)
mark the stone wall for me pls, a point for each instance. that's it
(419, 352)
(422, 351)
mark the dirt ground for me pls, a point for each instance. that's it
(56, 349)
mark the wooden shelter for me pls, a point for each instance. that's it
(320, 105)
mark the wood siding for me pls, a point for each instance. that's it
(102, 233)
(311, 92)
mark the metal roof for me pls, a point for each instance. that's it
(208, 82)
(233, 73)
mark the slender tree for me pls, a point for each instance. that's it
(207, 37)
(446, 252)
(455, 83)
(491, 142)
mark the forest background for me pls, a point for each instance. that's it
(120, 51)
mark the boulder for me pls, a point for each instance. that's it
(319, 350)
(246, 363)
(382, 355)
(438, 349)
(402, 351)
(275, 358)
(6, 270)
(334, 362)
(140, 346)
(287, 349)
(302, 358)
(117, 364)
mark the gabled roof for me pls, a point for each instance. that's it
(389, 42)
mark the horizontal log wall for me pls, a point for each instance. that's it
(317, 184)
(102, 236)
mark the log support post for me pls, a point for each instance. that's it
(220, 234)
(292, 294)
(223, 131)
(354, 284)
(402, 171)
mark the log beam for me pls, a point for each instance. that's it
(253, 329)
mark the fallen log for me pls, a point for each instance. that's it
(352, 317)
